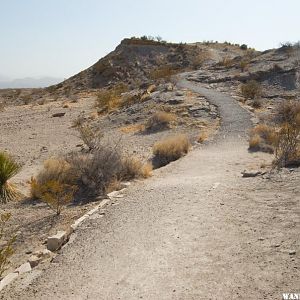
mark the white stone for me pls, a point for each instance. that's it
(23, 268)
(8, 279)
(56, 241)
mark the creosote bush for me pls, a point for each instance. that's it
(251, 89)
(262, 138)
(6, 248)
(287, 146)
(8, 168)
(170, 149)
(160, 120)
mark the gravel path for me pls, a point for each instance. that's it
(196, 230)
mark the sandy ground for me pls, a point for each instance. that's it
(196, 230)
(32, 135)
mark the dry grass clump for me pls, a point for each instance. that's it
(287, 112)
(8, 168)
(133, 128)
(262, 138)
(202, 137)
(163, 72)
(54, 170)
(2, 106)
(244, 65)
(134, 168)
(170, 149)
(256, 103)
(251, 89)
(110, 99)
(160, 120)
(226, 62)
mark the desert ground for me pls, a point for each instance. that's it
(220, 223)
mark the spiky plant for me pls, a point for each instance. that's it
(8, 168)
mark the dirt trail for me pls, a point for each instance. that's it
(196, 230)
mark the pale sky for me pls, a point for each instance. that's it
(62, 37)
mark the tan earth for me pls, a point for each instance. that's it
(196, 230)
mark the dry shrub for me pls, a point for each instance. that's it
(89, 136)
(54, 193)
(251, 89)
(226, 62)
(2, 106)
(170, 149)
(133, 128)
(244, 65)
(110, 99)
(6, 249)
(202, 137)
(163, 72)
(146, 170)
(287, 150)
(54, 170)
(256, 103)
(287, 112)
(262, 138)
(160, 120)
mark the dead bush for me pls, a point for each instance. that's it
(160, 120)
(6, 248)
(251, 89)
(262, 138)
(170, 149)
(110, 99)
(287, 112)
(287, 150)
(54, 193)
(163, 72)
(256, 103)
(54, 170)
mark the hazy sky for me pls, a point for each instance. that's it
(62, 37)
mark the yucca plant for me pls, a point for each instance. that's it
(8, 168)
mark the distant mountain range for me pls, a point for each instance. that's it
(28, 82)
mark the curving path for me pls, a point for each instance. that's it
(190, 232)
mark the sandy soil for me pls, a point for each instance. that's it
(196, 230)
(33, 135)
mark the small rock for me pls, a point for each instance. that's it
(56, 241)
(175, 101)
(247, 174)
(292, 252)
(23, 268)
(34, 260)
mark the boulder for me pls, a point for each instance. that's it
(56, 241)
(23, 268)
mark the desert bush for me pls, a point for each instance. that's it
(6, 248)
(262, 138)
(243, 65)
(89, 136)
(8, 168)
(257, 103)
(163, 72)
(287, 146)
(54, 170)
(55, 193)
(160, 120)
(170, 149)
(287, 150)
(2, 106)
(132, 167)
(243, 47)
(251, 89)
(110, 99)
(226, 62)
(287, 112)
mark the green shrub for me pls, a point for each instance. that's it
(8, 168)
